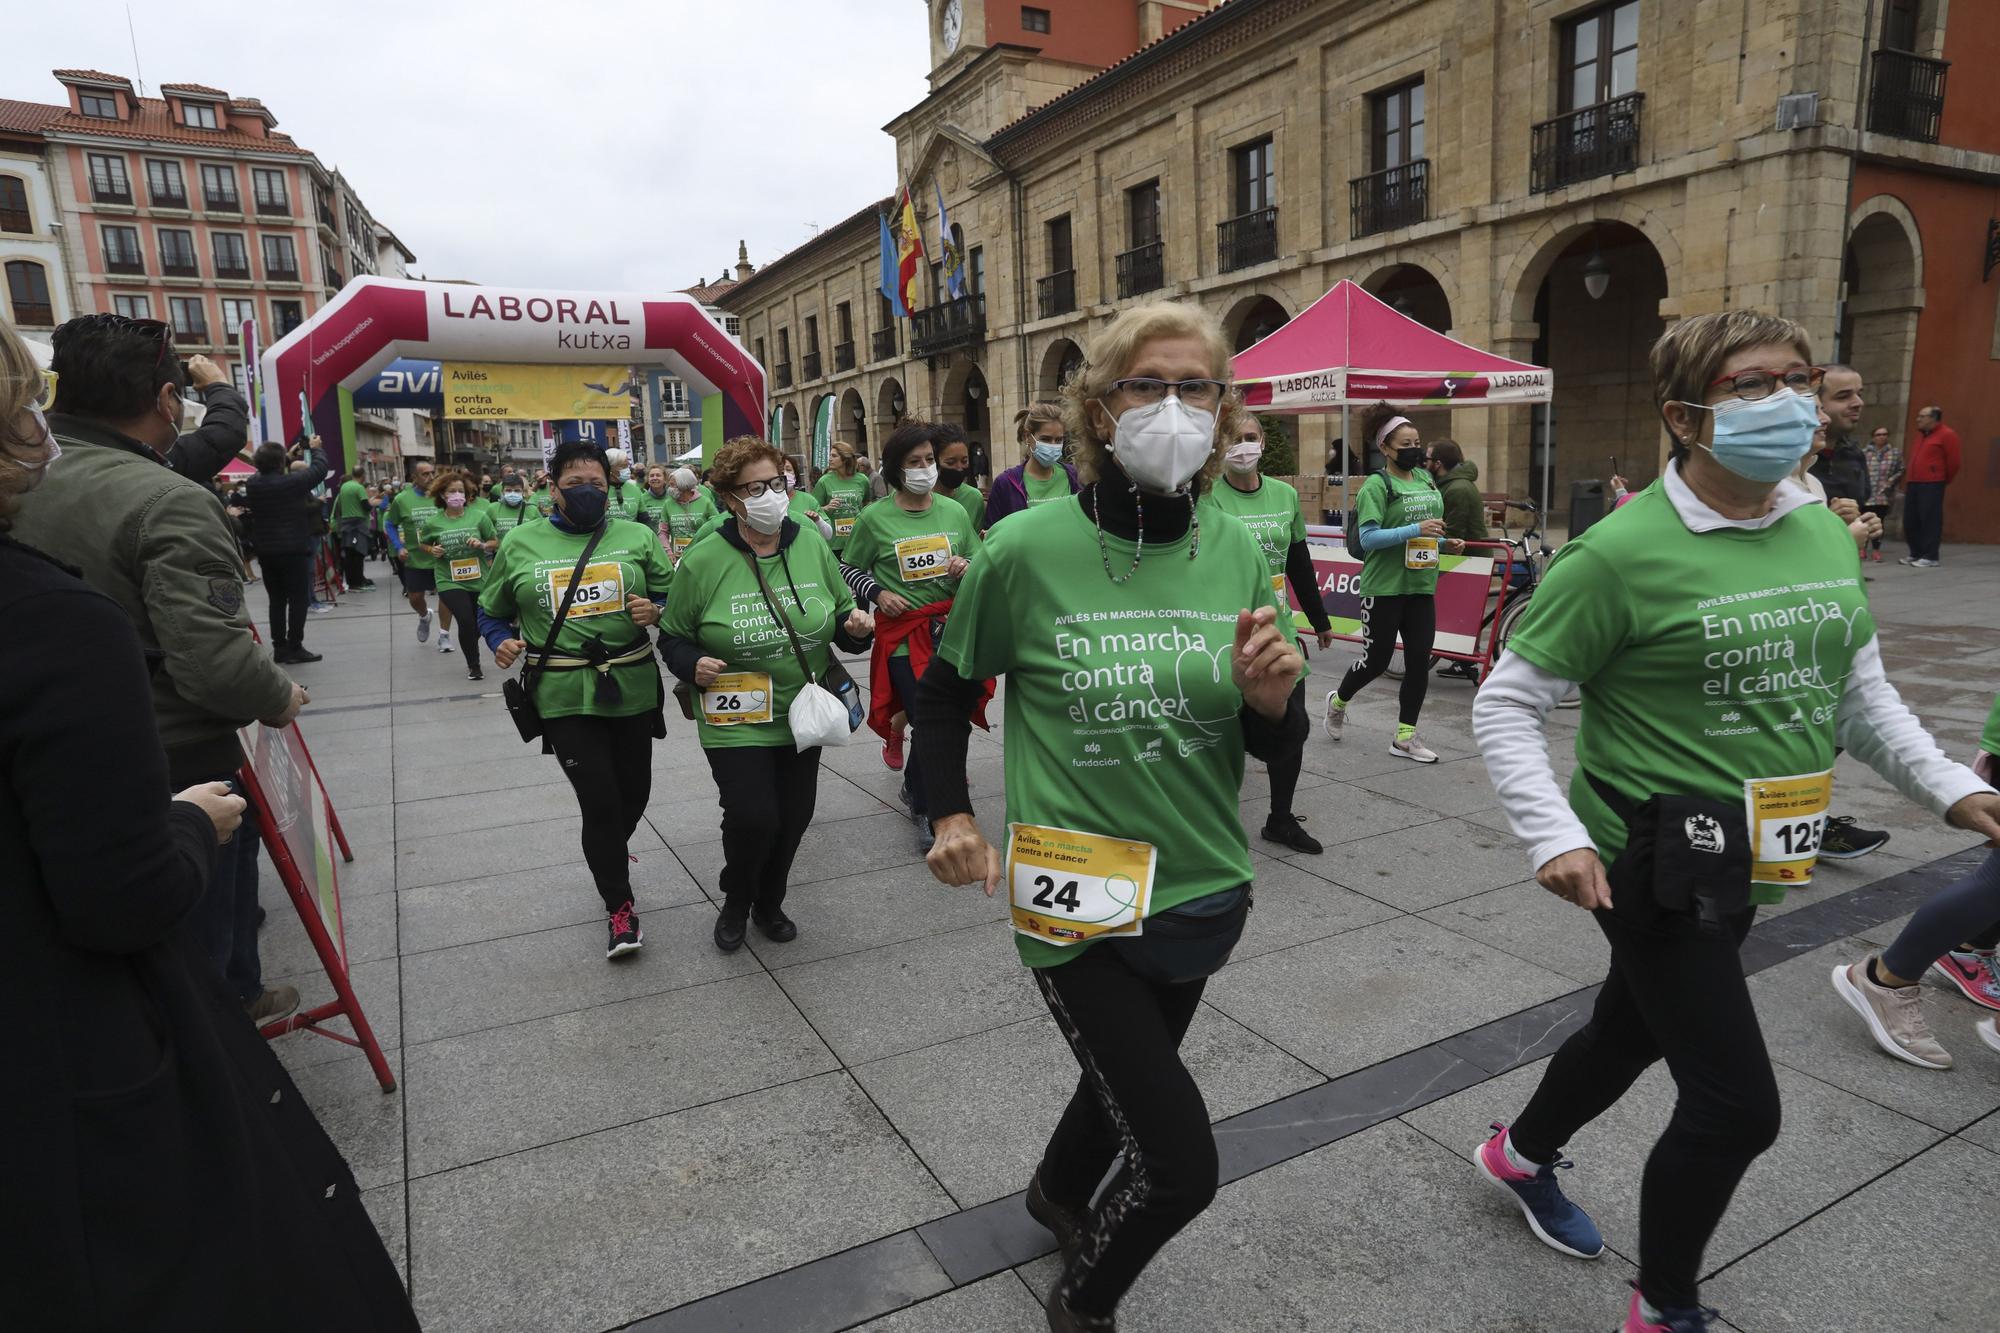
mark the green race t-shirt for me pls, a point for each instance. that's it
(1990, 741)
(1121, 715)
(542, 501)
(975, 505)
(1271, 512)
(351, 501)
(409, 511)
(464, 565)
(678, 523)
(624, 500)
(507, 517)
(1393, 502)
(1041, 490)
(525, 586)
(1707, 661)
(718, 605)
(842, 499)
(907, 553)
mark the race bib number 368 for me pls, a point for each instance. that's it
(922, 558)
(1066, 887)
(601, 592)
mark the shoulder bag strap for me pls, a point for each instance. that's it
(778, 613)
(569, 595)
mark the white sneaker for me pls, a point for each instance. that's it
(1895, 1016)
(444, 644)
(1989, 1032)
(423, 629)
(1925, 564)
(1336, 717)
(1414, 748)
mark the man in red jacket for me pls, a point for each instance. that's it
(1933, 462)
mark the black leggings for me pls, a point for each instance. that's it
(1414, 616)
(288, 580)
(464, 608)
(1285, 770)
(1881, 512)
(768, 793)
(1135, 1097)
(609, 760)
(905, 680)
(1676, 994)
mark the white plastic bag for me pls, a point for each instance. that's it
(818, 718)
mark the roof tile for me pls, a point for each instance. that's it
(95, 75)
(154, 121)
(201, 88)
(27, 117)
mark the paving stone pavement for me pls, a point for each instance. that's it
(833, 1133)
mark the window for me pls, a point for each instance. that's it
(975, 269)
(1600, 55)
(1899, 25)
(843, 319)
(281, 261)
(784, 345)
(287, 315)
(132, 307)
(121, 250)
(1061, 258)
(677, 441)
(1034, 20)
(164, 184)
(218, 188)
(28, 289)
(762, 360)
(108, 182)
(98, 106)
(1142, 214)
(673, 398)
(198, 115)
(1254, 172)
(812, 335)
(177, 254)
(1055, 291)
(231, 259)
(732, 326)
(14, 205)
(1398, 125)
(189, 318)
(235, 314)
(270, 187)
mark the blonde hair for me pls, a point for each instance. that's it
(1033, 418)
(1111, 356)
(20, 386)
(1691, 354)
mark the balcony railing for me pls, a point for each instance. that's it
(1056, 294)
(117, 262)
(1142, 269)
(179, 266)
(272, 273)
(809, 366)
(221, 203)
(275, 207)
(782, 374)
(843, 355)
(169, 198)
(104, 192)
(882, 345)
(1250, 239)
(198, 334)
(1398, 196)
(1906, 95)
(234, 272)
(37, 314)
(949, 325)
(1601, 140)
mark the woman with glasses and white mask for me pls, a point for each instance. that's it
(1719, 632)
(1143, 659)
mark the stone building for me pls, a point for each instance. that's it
(1551, 179)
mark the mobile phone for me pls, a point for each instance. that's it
(1614, 465)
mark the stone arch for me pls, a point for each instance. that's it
(891, 406)
(1413, 289)
(850, 418)
(1253, 318)
(1060, 360)
(788, 429)
(1537, 254)
(1882, 299)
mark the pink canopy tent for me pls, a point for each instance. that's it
(236, 467)
(1349, 350)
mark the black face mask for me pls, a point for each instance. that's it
(1410, 457)
(951, 478)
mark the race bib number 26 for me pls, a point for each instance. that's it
(1066, 887)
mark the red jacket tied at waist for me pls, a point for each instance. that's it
(1933, 457)
(914, 628)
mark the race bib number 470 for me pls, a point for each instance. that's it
(601, 591)
(1066, 887)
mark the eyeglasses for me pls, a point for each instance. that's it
(1144, 392)
(1761, 383)
(45, 391)
(751, 490)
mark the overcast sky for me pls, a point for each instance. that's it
(618, 144)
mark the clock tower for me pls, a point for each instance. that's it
(955, 25)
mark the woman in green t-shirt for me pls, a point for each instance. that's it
(514, 508)
(842, 492)
(722, 635)
(915, 547)
(1143, 658)
(1401, 517)
(954, 460)
(599, 698)
(459, 538)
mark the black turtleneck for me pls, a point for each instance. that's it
(1116, 505)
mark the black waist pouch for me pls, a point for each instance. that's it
(1191, 941)
(1686, 858)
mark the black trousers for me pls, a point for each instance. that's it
(1412, 615)
(353, 566)
(464, 608)
(288, 580)
(768, 794)
(1881, 512)
(1923, 518)
(905, 681)
(1285, 771)
(609, 761)
(1134, 1097)
(1679, 995)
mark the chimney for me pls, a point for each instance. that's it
(744, 268)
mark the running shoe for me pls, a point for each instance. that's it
(926, 836)
(1062, 1223)
(1697, 1320)
(1336, 718)
(1844, 840)
(276, 1003)
(1062, 1319)
(892, 751)
(474, 673)
(1925, 563)
(1894, 1015)
(1989, 1032)
(626, 937)
(1414, 748)
(1557, 1222)
(423, 629)
(444, 644)
(1285, 831)
(1973, 974)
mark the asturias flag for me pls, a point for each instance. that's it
(954, 262)
(909, 250)
(891, 290)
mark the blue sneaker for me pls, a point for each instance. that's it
(1560, 1224)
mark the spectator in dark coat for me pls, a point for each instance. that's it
(281, 511)
(224, 431)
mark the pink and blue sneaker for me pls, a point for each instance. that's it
(1560, 1224)
(1696, 1319)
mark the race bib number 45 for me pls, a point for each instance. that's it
(1420, 553)
(601, 592)
(921, 558)
(1787, 820)
(1066, 887)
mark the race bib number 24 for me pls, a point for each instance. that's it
(1066, 887)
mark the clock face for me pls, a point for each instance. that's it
(952, 25)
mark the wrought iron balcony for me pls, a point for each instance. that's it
(233, 272)
(274, 207)
(123, 262)
(809, 367)
(169, 198)
(1398, 196)
(1906, 95)
(1592, 141)
(1056, 294)
(948, 326)
(781, 374)
(1244, 241)
(273, 273)
(34, 314)
(1142, 269)
(843, 355)
(221, 203)
(196, 335)
(882, 345)
(105, 192)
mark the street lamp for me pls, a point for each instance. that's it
(860, 413)
(896, 404)
(975, 391)
(1596, 274)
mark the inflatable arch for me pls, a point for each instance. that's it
(374, 321)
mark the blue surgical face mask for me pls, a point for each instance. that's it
(1762, 439)
(510, 497)
(1048, 455)
(583, 506)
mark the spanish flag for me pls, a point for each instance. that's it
(909, 250)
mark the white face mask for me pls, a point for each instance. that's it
(1242, 458)
(920, 480)
(1162, 445)
(766, 512)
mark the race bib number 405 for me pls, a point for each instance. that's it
(601, 592)
(1787, 821)
(1067, 887)
(737, 698)
(921, 558)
